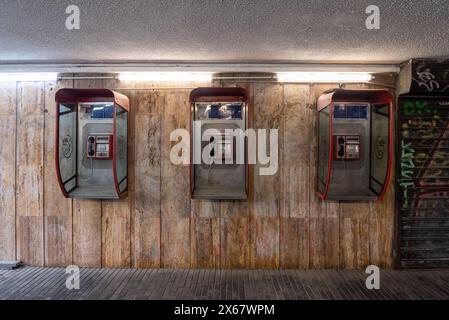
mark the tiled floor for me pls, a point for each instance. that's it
(49, 283)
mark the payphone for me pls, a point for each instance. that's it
(347, 147)
(355, 144)
(218, 145)
(91, 143)
(99, 146)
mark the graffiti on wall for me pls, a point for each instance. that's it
(430, 76)
(423, 181)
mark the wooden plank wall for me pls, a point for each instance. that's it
(283, 225)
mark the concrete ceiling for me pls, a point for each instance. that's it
(222, 31)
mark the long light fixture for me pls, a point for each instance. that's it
(323, 77)
(166, 76)
(31, 76)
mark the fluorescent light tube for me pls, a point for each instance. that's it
(324, 77)
(28, 76)
(165, 76)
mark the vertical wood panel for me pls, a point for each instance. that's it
(30, 242)
(7, 237)
(381, 229)
(234, 234)
(354, 241)
(147, 170)
(295, 179)
(316, 242)
(332, 235)
(87, 233)
(266, 243)
(116, 234)
(175, 195)
(57, 209)
(294, 243)
(205, 233)
(58, 240)
(324, 242)
(234, 243)
(331, 242)
(145, 192)
(146, 241)
(8, 95)
(268, 112)
(29, 173)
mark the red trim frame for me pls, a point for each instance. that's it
(127, 152)
(191, 106)
(217, 94)
(75, 96)
(331, 148)
(58, 168)
(114, 155)
(372, 97)
(331, 151)
(247, 113)
(323, 196)
(390, 153)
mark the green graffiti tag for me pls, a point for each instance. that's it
(407, 166)
(418, 108)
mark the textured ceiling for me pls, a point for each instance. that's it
(222, 31)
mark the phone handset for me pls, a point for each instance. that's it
(347, 147)
(91, 146)
(341, 148)
(99, 146)
(341, 154)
